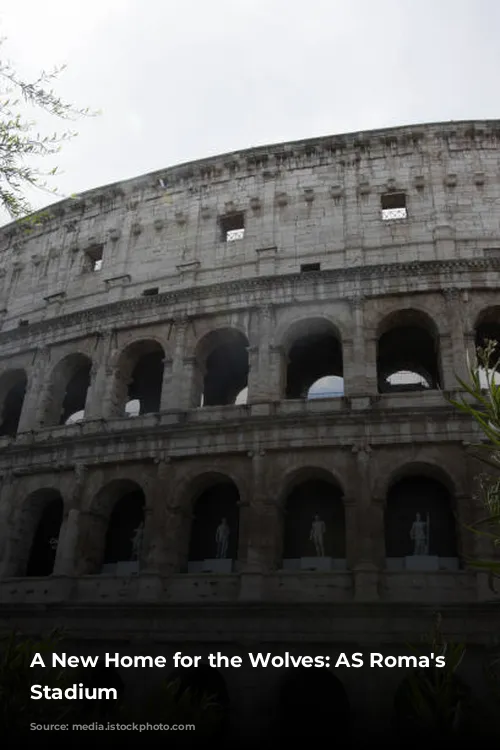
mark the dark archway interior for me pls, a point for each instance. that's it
(407, 348)
(313, 705)
(226, 373)
(304, 501)
(310, 358)
(146, 382)
(12, 406)
(217, 502)
(423, 495)
(76, 392)
(126, 516)
(43, 553)
(202, 681)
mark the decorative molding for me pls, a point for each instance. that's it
(122, 280)
(338, 278)
(55, 298)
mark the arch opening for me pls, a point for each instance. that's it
(222, 359)
(68, 390)
(43, 517)
(310, 703)
(314, 354)
(213, 546)
(123, 546)
(408, 357)
(420, 531)
(12, 392)
(138, 380)
(314, 528)
(203, 691)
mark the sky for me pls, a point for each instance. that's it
(179, 81)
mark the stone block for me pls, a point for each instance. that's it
(423, 563)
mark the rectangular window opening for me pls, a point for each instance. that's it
(232, 227)
(308, 267)
(150, 292)
(94, 257)
(394, 206)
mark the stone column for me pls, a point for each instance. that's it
(359, 356)
(453, 351)
(69, 533)
(164, 527)
(166, 401)
(265, 372)
(183, 382)
(99, 388)
(261, 532)
(115, 391)
(366, 572)
(36, 391)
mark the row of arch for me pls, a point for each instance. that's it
(408, 359)
(123, 504)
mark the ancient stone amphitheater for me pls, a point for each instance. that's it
(265, 337)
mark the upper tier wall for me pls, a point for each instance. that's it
(316, 201)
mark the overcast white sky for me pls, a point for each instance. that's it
(182, 80)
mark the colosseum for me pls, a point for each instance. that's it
(225, 411)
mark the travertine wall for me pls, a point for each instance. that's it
(310, 202)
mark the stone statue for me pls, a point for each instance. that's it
(137, 540)
(53, 543)
(222, 538)
(318, 530)
(419, 534)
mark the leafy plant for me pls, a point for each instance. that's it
(431, 702)
(17, 709)
(19, 140)
(481, 401)
(177, 719)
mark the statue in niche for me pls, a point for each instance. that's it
(53, 543)
(222, 539)
(137, 539)
(419, 534)
(318, 530)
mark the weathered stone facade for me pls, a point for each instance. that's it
(137, 293)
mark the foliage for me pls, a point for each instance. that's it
(174, 718)
(20, 143)
(481, 401)
(168, 704)
(165, 704)
(17, 709)
(430, 703)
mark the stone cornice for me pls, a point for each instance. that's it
(97, 448)
(113, 314)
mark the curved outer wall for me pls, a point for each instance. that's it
(311, 202)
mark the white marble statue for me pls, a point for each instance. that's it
(419, 534)
(137, 540)
(222, 538)
(318, 530)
